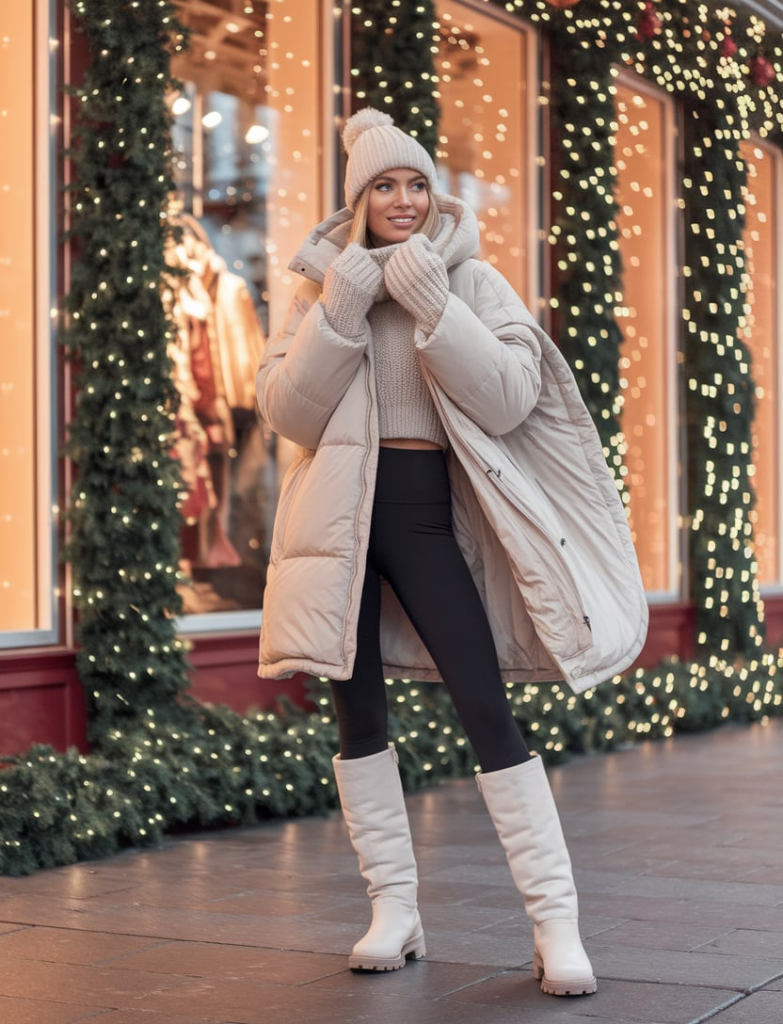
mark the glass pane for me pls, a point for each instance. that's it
(646, 357)
(20, 598)
(482, 154)
(249, 183)
(761, 337)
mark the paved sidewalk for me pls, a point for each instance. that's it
(678, 851)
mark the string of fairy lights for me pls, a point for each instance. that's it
(160, 759)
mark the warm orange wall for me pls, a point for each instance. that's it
(761, 338)
(17, 319)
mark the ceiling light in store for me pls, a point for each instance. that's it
(256, 133)
(180, 106)
(231, 26)
(212, 119)
(209, 55)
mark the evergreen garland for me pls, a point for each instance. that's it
(223, 769)
(124, 520)
(719, 380)
(393, 67)
(587, 286)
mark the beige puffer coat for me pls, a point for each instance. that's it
(536, 512)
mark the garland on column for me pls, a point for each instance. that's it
(392, 65)
(123, 515)
(719, 381)
(587, 287)
(160, 760)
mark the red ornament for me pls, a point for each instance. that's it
(761, 70)
(728, 47)
(649, 22)
(562, 4)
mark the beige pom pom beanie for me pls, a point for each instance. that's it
(375, 145)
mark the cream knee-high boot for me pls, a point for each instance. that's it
(374, 810)
(523, 812)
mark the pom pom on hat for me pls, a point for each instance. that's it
(374, 145)
(360, 122)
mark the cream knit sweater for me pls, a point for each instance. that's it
(355, 287)
(405, 406)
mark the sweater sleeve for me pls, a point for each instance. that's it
(305, 370)
(485, 354)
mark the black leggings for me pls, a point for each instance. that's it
(412, 547)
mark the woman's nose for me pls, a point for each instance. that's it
(403, 199)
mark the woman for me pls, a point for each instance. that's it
(449, 515)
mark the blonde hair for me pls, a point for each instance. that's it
(360, 234)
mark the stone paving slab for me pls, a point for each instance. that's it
(758, 1008)
(65, 946)
(618, 1000)
(677, 854)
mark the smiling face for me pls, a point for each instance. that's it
(397, 206)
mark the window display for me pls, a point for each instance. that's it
(248, 146)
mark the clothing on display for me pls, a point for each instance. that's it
(214, 353)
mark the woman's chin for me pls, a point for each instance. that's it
(397, 235)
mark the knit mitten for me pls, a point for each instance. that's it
(350, 287)
(416, 278)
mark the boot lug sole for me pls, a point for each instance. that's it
(413, 949)
(368, 963)
(584, 987)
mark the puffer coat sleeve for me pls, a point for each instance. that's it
(484, 352)
(305, 370)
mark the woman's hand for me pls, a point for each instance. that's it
(350, 288)
(416, 278)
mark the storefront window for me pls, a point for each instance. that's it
(484, 152)
(762, 337)
(26, 391)
(645, 166)
(249, 140)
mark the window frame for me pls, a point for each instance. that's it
(44, 342)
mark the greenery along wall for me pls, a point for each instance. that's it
(159, 759)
